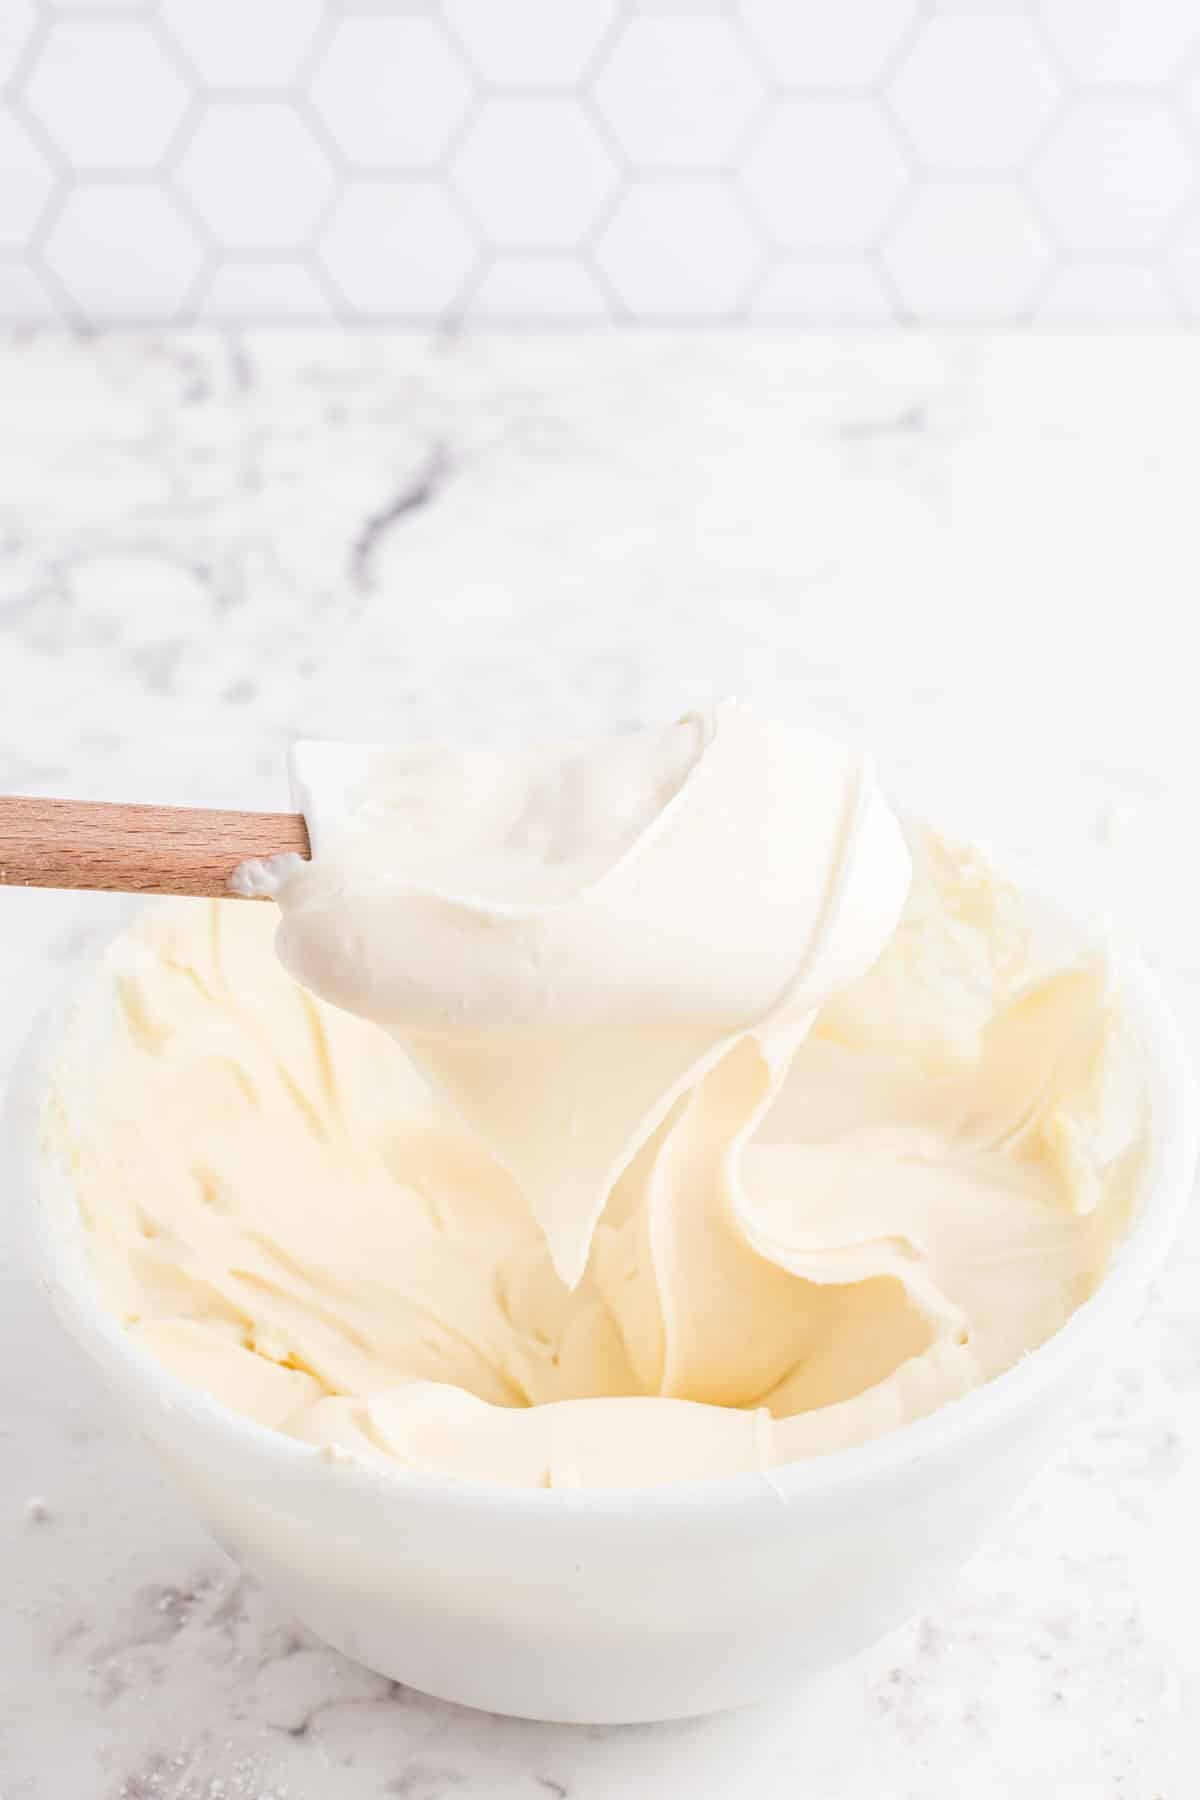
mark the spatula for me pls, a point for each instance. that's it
(137, 849)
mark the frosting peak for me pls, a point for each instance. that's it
(565, 938)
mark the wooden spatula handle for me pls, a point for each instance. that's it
(136, 849)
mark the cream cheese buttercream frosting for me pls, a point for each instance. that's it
(631, 1111)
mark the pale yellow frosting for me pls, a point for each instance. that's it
(650, 1173)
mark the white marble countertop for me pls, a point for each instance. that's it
(979, 555)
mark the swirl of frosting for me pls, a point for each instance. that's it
(565, 939)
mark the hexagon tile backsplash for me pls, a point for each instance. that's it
(556, 161)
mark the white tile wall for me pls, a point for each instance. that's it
(825, 174)
(587, 160)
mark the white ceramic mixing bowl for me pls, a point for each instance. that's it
(637, 1604)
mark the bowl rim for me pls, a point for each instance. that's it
(55, 1246)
